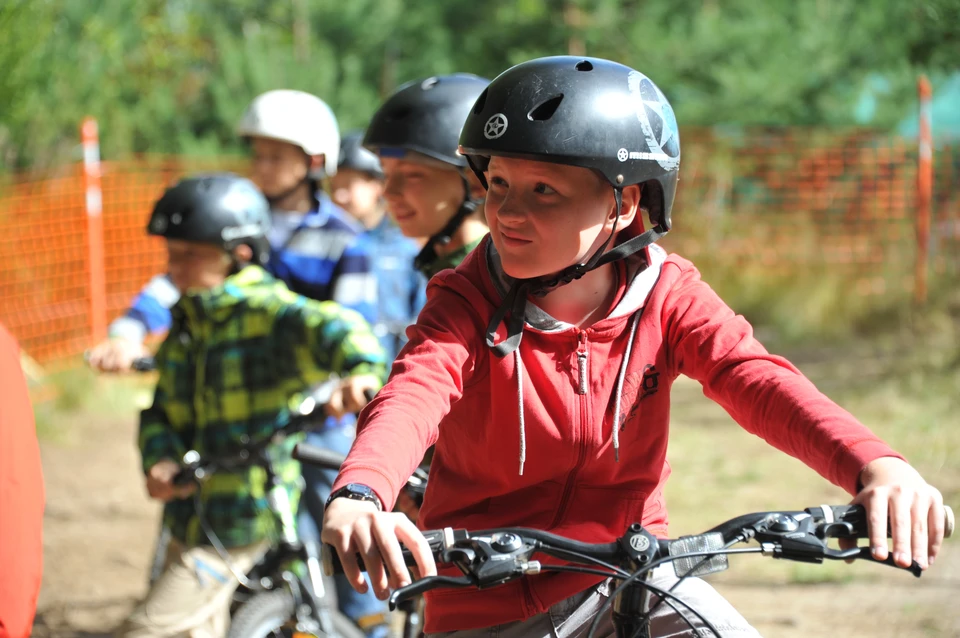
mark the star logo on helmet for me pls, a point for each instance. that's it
(623, 155)
(657, 120)
(667, 123)
(495, 127)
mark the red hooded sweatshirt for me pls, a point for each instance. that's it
(569, 433)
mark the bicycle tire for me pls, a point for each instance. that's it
(260, 616)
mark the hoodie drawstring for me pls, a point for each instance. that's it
(523, 427)
(617, 401)
(619, 395)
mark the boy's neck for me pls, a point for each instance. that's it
(471, 230)
(585, 301)
(302, 200)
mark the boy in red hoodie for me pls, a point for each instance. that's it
(541, 368)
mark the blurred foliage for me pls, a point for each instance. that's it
(173, 76)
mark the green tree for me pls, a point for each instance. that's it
(173, 76)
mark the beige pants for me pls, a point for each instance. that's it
(192, 597)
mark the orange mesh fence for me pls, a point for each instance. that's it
(785, 200)
(788, 200)
(45, 297)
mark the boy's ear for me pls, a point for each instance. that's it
(243, 254)
(630, 208)
(317, 162)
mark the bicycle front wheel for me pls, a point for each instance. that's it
(274, 613)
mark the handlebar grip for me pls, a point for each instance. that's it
(318, 456)
(856, 515)
(183, 477)
(332, 564)
(144, 364)
(140, 364)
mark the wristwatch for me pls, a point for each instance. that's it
(356, 492)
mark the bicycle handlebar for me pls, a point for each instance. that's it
(140, 364)
(321, 457)
(144, 364)
(492, 557)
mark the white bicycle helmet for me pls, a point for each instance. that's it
(298, 118)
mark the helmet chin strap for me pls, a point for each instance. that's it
(515, 302)
(469, 205)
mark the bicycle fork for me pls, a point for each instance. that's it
(629, 608)
(315, 591)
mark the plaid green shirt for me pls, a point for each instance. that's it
(234, 358)
(449, 261)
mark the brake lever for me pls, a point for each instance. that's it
(418, 587)
(864, 553)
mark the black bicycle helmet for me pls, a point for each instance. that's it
(425, 116)
(355, 157)
(584, 112)
(222, 209)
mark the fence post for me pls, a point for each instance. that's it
(924, 191)
(94, 205)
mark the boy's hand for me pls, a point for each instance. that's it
(407, 506)
(160, 482)
(350, 396)
(116, 355)
(893, 489)
(357, 527)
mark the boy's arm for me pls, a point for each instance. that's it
(395, 430)
(149, 313)
(157, 439)
(764, 393)
(328, 337)
(354, 284)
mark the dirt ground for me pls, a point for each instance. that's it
(100, 529)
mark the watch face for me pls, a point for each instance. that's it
(359, 489)
(356, 492)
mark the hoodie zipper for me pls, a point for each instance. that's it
(583, 373)
(582, 364)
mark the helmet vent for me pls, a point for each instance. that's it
(584, 65)
(429, 83)
(478, 106)
(546, 109)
